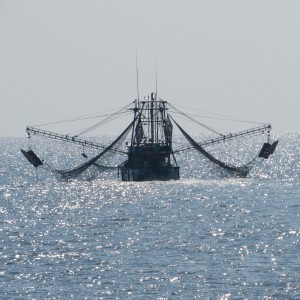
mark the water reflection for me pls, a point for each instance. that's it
(205, 237)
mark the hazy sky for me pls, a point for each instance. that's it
(64, 58)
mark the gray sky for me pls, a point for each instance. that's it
(64, 58)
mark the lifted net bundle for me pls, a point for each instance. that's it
(241, 171)
(97, 164)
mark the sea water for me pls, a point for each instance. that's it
(205, 236)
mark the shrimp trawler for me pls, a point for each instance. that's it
(150, 153)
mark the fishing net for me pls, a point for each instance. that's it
(99, 163)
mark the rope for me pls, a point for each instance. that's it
(231, 118)
(102, 122)
(85, 117)
(199, 123)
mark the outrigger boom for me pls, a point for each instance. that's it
(67, 138)
(74, 139)
(223, 138)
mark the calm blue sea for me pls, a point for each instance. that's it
(203, 237)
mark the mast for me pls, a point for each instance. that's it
(135, 110)
(156, 105)
(152, 118)
(137, 78)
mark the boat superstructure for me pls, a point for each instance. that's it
(150, 153)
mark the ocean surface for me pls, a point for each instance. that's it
(206, 236)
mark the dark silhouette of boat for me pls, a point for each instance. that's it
(149, 154)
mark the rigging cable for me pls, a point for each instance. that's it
(100, 123)
(106, 119)
(199, 123)
(231, 118)
(84, 117)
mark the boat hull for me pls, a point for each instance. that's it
(148, 174)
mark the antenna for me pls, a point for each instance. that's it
(137, 78)
(155, 81)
